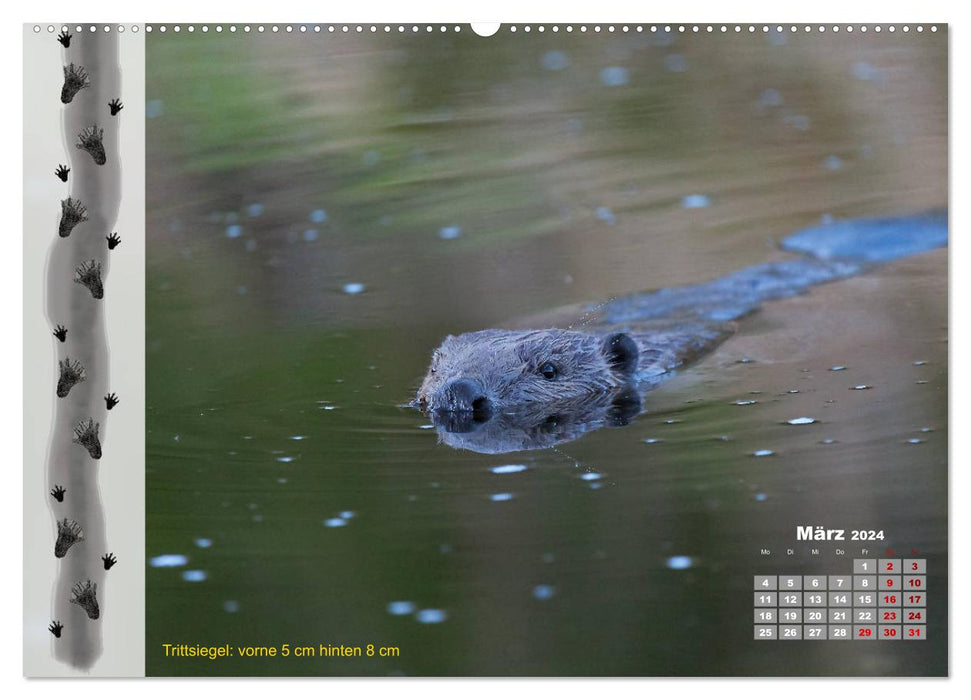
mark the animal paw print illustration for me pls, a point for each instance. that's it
(109, 560)
(87, 437)
(62, 171)
(115, 106)
(71, 373)
(89, 275)
(55, 628)
(64, 38)
(86, 595)
(113, 241)
(75, 80)
(69, 533)
(58, 493)
(60, 332)
(91, 139)
(111, 400)
(72, 214)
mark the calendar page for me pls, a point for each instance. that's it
(369, 349)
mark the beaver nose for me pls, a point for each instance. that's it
(464, 396)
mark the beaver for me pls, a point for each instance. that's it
(520, 389)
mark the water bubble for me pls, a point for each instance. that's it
(651, 441)
(298, 437)
(920, 363)
(167, 560)
(866, 71)
(802, 420)
(310, 235)
(401, 607)
(194, 576)
(590, 476)
(231, 606)
(763, 453)
(500, 497)
(555, 60)
(234, 231)
(154, 109)
(861, 387)
(614, 76)
(543, 592)
(915, 441)
(828, 441)
(679, 562)
(347, 514)
(760, 497)
(284, 459)
(695, 201)
(335, 522)
(833, 163)
(254, 210)
(508, 469)
(606, 215)
(431, 616)
(353, 288)
(675, 63)
(318, 216)
(448, 233)
(203, 542)
(770, 98)
(798, 121)
(837, 368)
(747, 402)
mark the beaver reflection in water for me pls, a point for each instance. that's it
(504, 390)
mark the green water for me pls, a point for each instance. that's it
(282, 168)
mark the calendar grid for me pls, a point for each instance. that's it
(882, 599)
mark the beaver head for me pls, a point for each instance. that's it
(475, 374)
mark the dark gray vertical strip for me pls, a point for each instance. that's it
(98, 187)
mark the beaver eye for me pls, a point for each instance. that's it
(548, 370)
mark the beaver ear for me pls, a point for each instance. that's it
(621, 353)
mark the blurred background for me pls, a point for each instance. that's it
(324, 208)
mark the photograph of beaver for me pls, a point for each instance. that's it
(503, 391)
(522, 355)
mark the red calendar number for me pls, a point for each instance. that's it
(891, 599)
(889, 566)
(889, 632)
(864, 632)
(915, 615)
(889, 615)
(913, 632)
(914, 598)
(915, 582)
(914, 567)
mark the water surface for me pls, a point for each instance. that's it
(323, 210)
